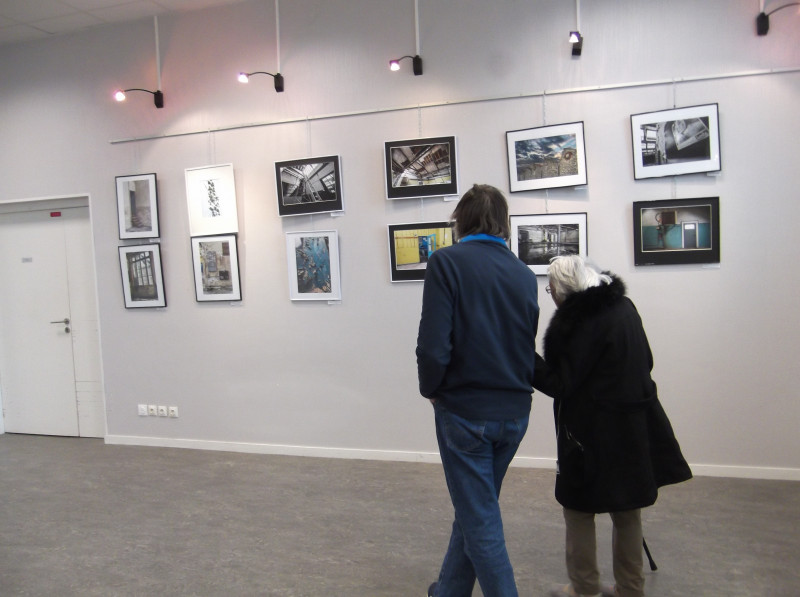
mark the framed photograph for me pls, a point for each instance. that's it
(309, 186)
(536, 239)
(676, 231)
(546, 157)
(410, 246)
(137, 206)
(313, 261)
(216, 268)
(142, 278)
(421, 168)
(211, 198)
(678, 141)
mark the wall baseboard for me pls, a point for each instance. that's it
(700, 470)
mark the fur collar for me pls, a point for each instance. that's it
(579, 308)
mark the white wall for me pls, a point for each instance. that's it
(311, 378)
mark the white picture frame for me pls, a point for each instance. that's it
(312, 260)
(536, 239)
(211, 200)
(675, 142)
(546, 157)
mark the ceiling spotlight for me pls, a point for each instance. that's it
(576, 39)
(762, 20)
(416, 64)
(245, 78)
(158, 96)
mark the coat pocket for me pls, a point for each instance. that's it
(575, 461)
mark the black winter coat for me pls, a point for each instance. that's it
(616, 446)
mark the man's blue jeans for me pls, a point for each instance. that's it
(475, 456)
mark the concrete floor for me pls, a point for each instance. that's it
(78, 517)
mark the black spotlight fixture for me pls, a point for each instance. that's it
(576, 39)
(278, 78)
(158, 95)
(416, 64)
(762, 20)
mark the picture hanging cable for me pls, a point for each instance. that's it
(544, 108)
(212, 147)
(308, 136)
(419, 121)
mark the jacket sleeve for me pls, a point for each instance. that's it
(434, 340)
(545, 379)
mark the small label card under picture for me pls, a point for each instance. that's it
(211, 199)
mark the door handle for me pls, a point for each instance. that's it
(64, 321)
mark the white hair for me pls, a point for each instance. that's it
(568, 274)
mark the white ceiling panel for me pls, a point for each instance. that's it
(27, 20)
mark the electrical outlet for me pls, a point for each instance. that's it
(142, 410)
(173, 412)
(152, 410)
(162, 411)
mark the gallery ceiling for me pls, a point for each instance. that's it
(29, 20)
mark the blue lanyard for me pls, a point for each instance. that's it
(489, 237)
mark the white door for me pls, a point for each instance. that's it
(50, 382)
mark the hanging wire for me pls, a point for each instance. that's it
(212, 147)
(308, 136)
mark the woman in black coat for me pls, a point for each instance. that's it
(615, 443)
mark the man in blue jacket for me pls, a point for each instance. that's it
(475, 360)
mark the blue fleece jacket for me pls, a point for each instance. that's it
(476, 343)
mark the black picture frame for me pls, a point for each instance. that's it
(426, 167)
(215, 261)
(410, 246)
(137, 206)
(142, 276)
(309, 185)
(676, 231)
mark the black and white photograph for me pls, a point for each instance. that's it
(216, 268)
(211, 200)
(679, 141)
(310, 185)
(313, 263)
(676, 231)
(421, 168)
(546, 157)
(411, 245)
(142, 278)
(536, 239)
(137, 206)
